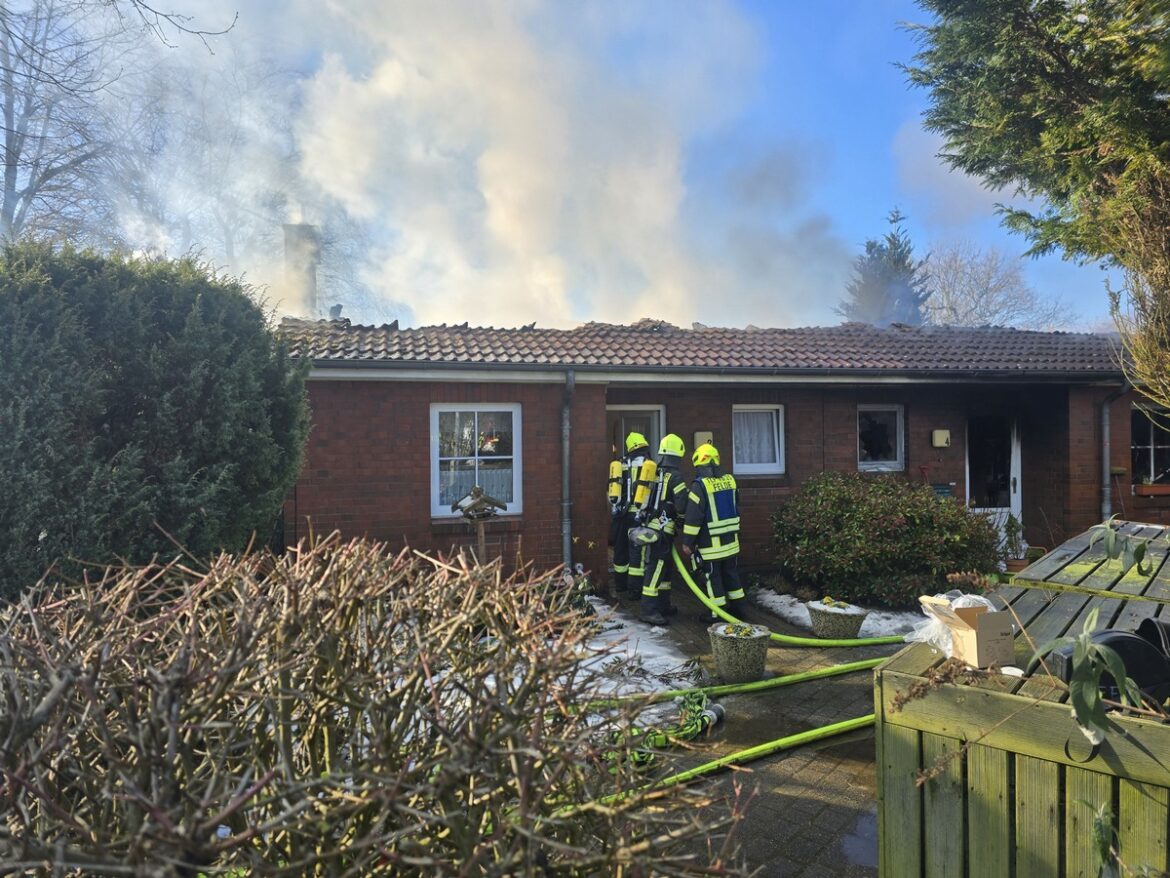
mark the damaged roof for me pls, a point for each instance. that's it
(655, 345)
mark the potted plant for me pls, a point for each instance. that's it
(1148, 488)
(1013, 545)
(835, 620)
(740, 651)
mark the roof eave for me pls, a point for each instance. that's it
(420, 369)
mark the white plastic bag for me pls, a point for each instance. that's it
(934, 631)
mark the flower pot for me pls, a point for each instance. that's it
(1015, 565)
(835, 623)
(740, 651)
(1151, 490)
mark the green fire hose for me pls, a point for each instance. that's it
(742, 756)
(786, 639)
(734, 688)
(739, 757)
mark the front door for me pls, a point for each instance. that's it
(621, 420)
(993, 467)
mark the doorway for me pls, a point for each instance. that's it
(993, 467)
(621, 420)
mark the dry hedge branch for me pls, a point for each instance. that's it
(338, 711)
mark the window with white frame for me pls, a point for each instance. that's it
(475, 444)
(880, 442)
(757, 439)
(1149, 441)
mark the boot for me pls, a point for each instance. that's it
(738, 608)
(649, 613)
(665, 607)
(620, 583)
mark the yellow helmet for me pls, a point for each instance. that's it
(705, 454)
(636, 440)
(672, 444)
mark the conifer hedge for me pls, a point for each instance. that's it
(144, 404)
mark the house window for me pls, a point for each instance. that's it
(474, 445)
(757, 439)
(1149, 447)
(880, 440)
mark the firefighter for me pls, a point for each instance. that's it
(711, 532)
(663, 514)
(625, 476)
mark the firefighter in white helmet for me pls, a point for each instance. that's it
(711, 532)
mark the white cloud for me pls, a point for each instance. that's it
(513, 157)
(940, 195)
(520, 160)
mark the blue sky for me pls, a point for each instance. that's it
(830, 82)
(719, 161)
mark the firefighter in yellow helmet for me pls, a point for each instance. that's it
(711, 532)
(663, 515)
(625, 477)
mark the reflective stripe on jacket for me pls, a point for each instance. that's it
(712, 520)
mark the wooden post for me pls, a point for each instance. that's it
(481, 542)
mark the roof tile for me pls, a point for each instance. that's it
(655, 344)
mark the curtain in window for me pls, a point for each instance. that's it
(754, 435)
(475, 447)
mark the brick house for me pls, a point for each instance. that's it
(405, 421)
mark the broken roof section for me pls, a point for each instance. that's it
(656, 345)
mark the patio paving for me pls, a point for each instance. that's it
(814, 814)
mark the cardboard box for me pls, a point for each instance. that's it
(979, 637)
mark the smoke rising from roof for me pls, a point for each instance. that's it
(514, 160)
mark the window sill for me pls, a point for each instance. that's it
(1151, 490)
(881, 468)
(499, 524)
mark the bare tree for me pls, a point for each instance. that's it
(973, 287)
(54, 62)
(162, 23)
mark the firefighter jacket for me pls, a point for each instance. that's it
(712, 516)
(668, 501)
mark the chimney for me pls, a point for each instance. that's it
(302, 253)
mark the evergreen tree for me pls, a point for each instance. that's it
(888, 285)
(143, 402)
(1066, 103)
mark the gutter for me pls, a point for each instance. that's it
(366, 370)
(566, 458)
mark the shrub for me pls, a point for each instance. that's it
(144, 402)
(336, 711)
(878, 539)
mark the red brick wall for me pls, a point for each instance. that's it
(1124, 502)
(1060, 437)
(367, 469)
(1044, 426)
(820, 434)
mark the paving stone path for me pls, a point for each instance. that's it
(814, 814)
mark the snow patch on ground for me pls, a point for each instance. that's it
(879, 623)
(636, 657)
